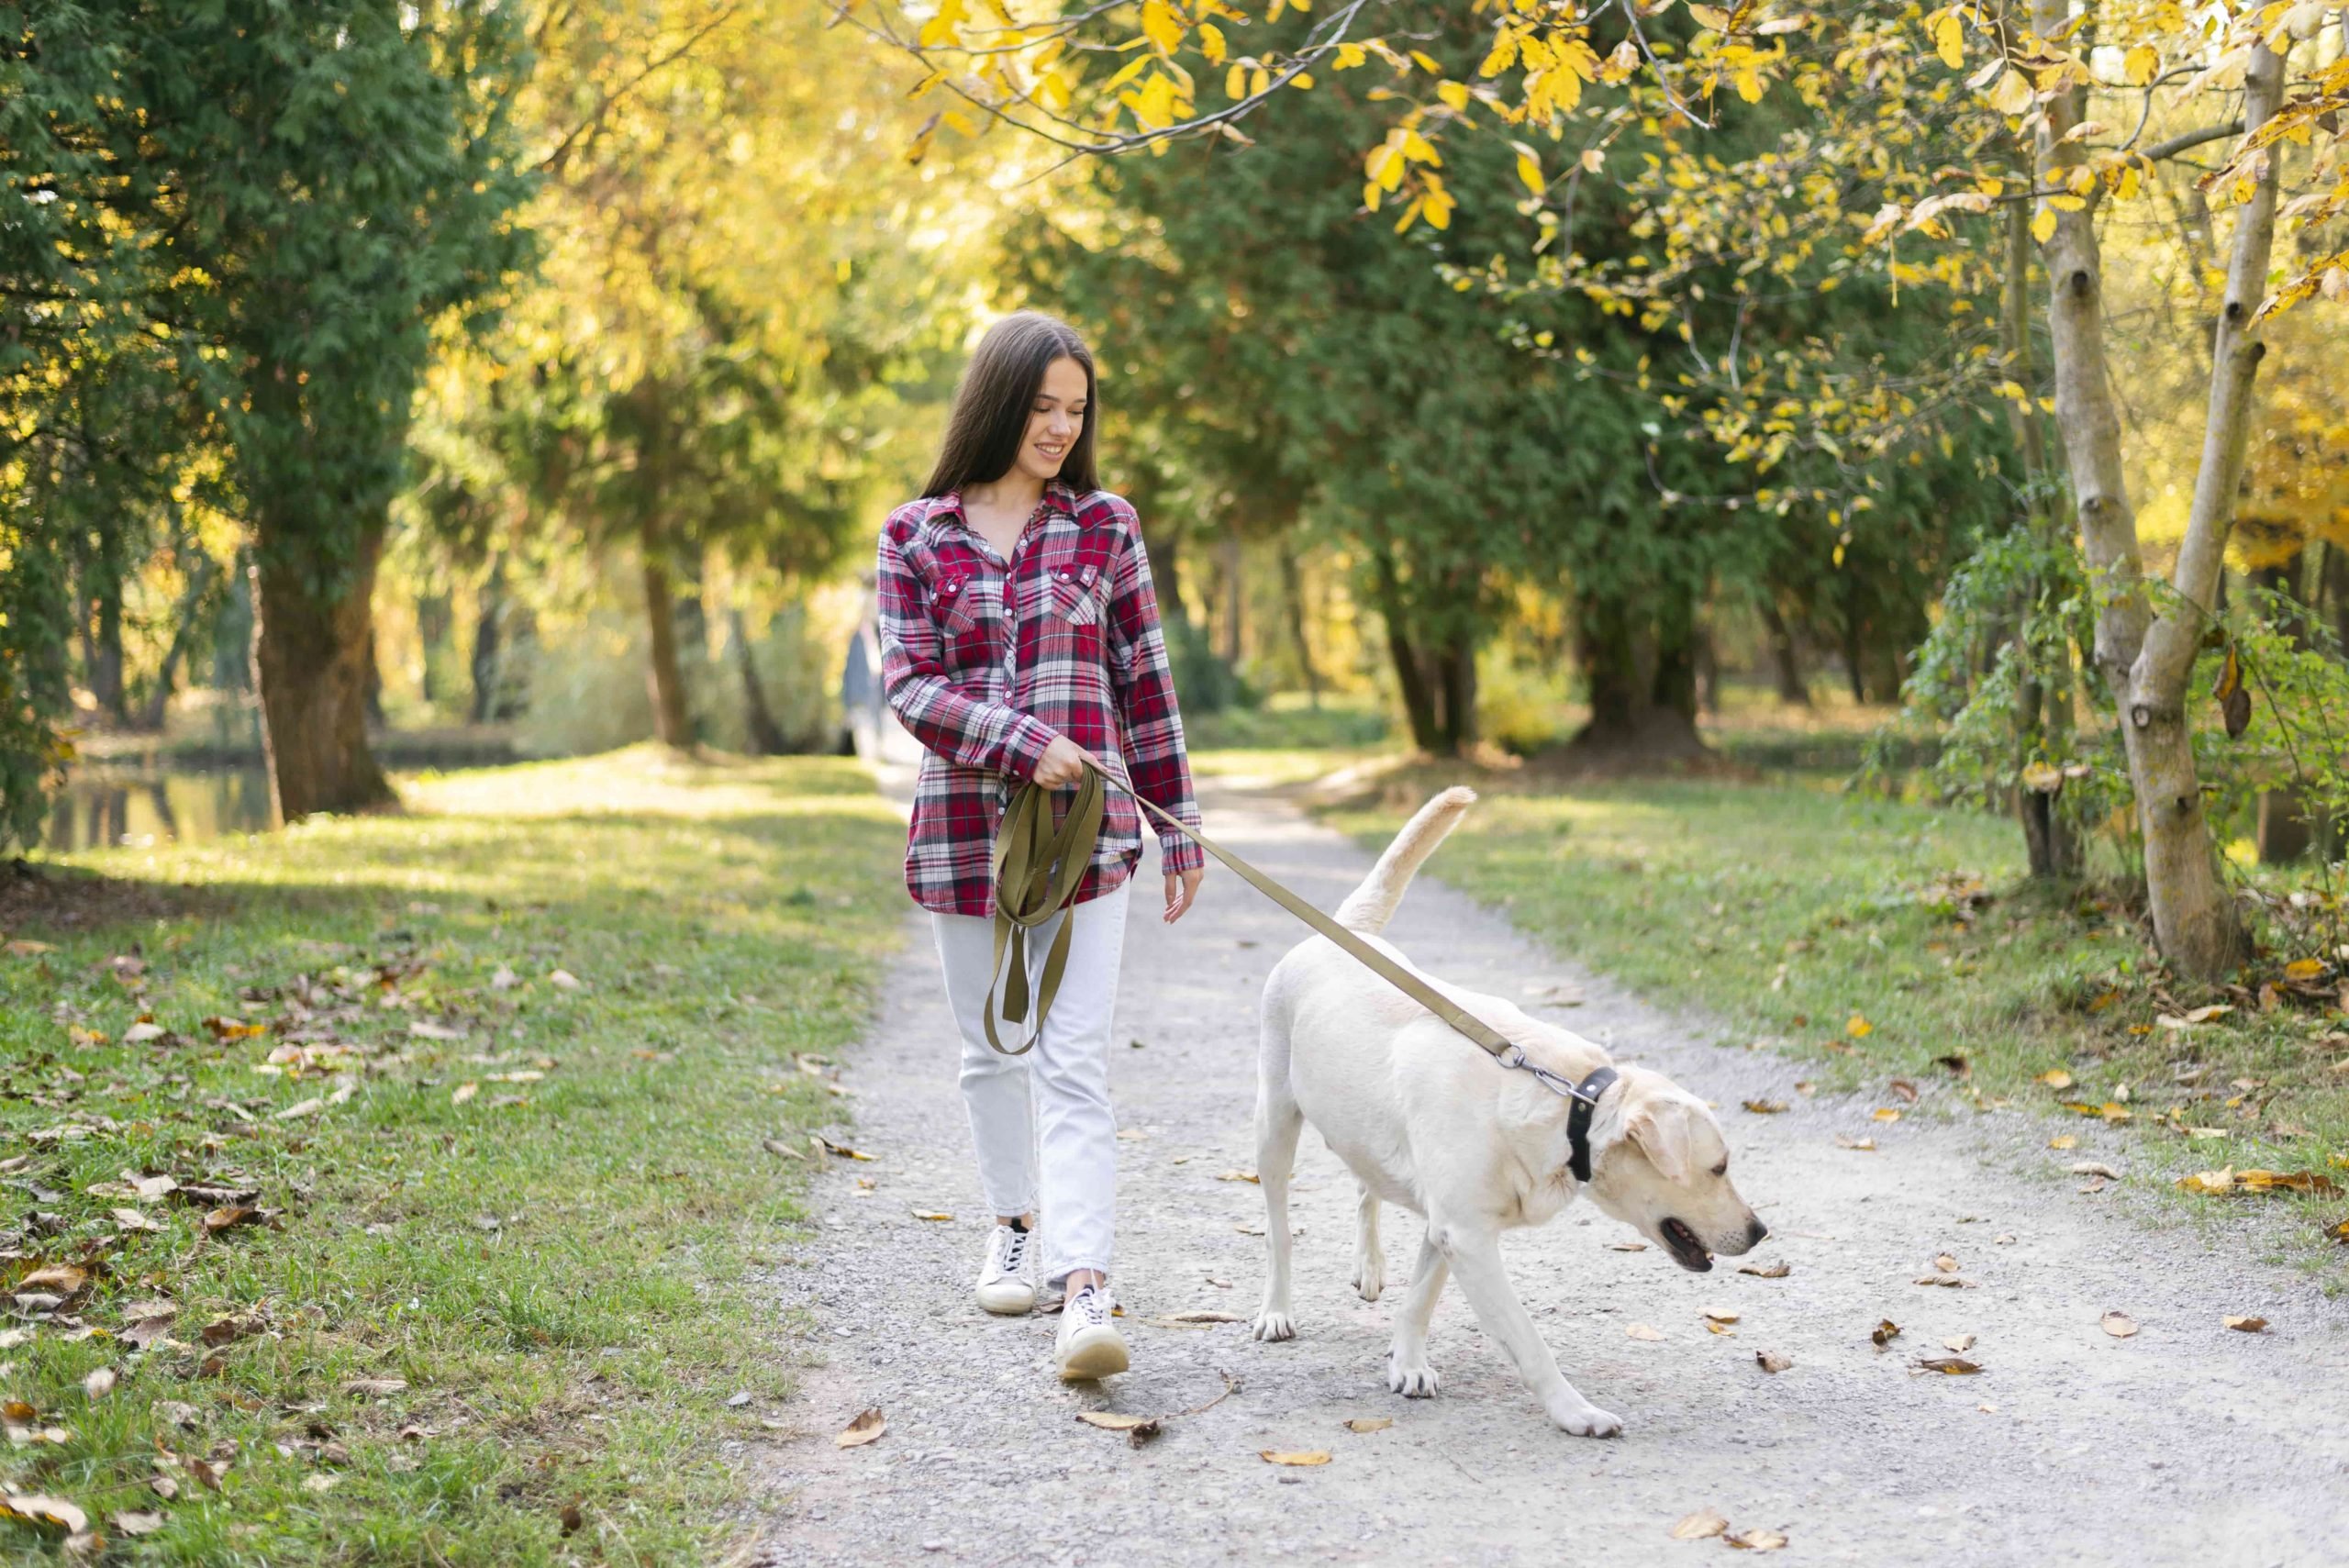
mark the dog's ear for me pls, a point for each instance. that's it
(1662, 1133)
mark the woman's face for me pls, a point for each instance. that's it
(1054, 421)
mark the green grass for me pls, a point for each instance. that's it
(1875, 937)
(556, 1262)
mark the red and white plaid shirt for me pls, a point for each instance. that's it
(986, 660)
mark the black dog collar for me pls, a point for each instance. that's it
(1586, 1097)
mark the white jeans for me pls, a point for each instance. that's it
(1064, 1096)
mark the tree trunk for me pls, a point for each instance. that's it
(1410, 679)
(1454, 683)
(1643, 709)
(1235, 590)
(185, 617)
(767, 739)
(483, 663)
(102, 634)
(312, 655)
(1293, 604)
(2146, 661)
(1786, 658)
(671, 722)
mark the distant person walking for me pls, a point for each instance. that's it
(1020, 636)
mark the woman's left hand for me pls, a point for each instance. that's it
(1182, 892)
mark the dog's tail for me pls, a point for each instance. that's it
(1371, 905)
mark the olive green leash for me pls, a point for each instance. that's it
(1036, 874)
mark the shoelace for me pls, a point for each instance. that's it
(1090, 1305)
(1014, 1249)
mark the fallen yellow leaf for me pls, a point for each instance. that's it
(2248, 1325)
(1303, 1458)
(2120, 1325)
(2055, 1078)
(1765, 1108)
(1700, 1526)
(1370, 1423)
(1859, 1028)
(867, 1426)
(1114, 1421)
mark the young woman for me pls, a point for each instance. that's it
(1020, 636)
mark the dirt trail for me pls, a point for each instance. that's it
(2189, 1443)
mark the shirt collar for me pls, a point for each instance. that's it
(1059, 494)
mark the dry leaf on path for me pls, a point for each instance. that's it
(1864, 1145)
(931, 1215)
(1642, 1332)
(2064, 1140)
(867, 1426)
(2248, 1325)
(1720, 1315)
(2120, 1325)
(1959, 1343)
(1770, 1361)
(1302, 1458)
(1370, 1423)
(2055, 1078)
(1757, 1540)
(1699, 1526)
(1945, 1263)
(1887, 1113)
(1236, 1176)
(1765, 1108)
(1627, 1246)
(136, 1522)
(1947, 1282)
(1885, 1332)
(1207, 1317)
(1778, 1268)
(1955, 1366)
(1115, 1420)
(842, 1149)
(2095, 1168)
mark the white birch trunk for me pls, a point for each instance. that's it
(2148, 661)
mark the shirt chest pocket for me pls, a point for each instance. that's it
(959, 600)
(1072, 592)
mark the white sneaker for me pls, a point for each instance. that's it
(1090, 1345)
(1007, 1280)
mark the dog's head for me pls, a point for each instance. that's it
(1659, 1164)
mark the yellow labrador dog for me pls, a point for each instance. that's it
(1427, 1119)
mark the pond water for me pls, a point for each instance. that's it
(103, 807)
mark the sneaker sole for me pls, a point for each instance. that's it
(1006, 1303)
(1102, 1355)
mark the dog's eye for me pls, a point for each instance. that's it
(1722, 1169)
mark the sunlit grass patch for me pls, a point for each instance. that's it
(496, 1076)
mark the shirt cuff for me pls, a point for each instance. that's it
(1176, 852)
(1024, 747)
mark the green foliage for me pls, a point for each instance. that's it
(2016, 616)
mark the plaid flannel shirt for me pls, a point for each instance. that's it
(986, 660)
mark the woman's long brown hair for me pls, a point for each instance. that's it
(992, 405)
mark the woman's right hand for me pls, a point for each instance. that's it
(1062, 764)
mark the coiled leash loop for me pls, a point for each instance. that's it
(1036, 870)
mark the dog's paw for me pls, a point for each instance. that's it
(1370, 1276)
(1410, 1381)
(1584, 1419)
(1270, 1325)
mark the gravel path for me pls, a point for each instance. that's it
(2187, 1443)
